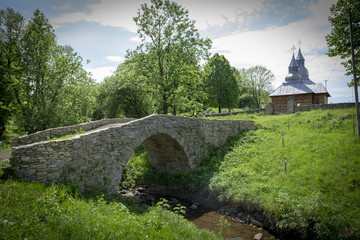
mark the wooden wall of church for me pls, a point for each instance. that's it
(280, 102)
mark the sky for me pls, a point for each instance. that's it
(246, 32)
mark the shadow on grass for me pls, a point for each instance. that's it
(200, 178)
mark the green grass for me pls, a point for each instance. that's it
(317, 197)
(33, 211)
(319, 194)
(66, 136)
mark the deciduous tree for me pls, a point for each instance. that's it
(124, 95)
(47, 80)
(338, 40)
(11, 32)
(258, 81)
(170, 53)
(220, 83)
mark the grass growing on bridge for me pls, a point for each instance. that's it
(33, 211)
(318, 194)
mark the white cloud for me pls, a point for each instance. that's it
(217, 13)
(272, 47)
(57, 22)
(116, 59)
(206, 13)
(101, 72)
(107, 13)
(135, 39)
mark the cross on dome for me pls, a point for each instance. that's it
(293, 48)
(299, 43)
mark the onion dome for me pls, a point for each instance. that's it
(293, 71)
(300, 60)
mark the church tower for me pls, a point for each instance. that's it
(297, 89)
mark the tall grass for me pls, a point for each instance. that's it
(33, 211)
(319, 193)
(318, 196)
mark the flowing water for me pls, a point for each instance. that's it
(220, 224)
(212, 221)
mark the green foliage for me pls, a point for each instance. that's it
(12, 130)
(11, 31)
(124, 94)
(136, 169)
(169, 56)
(256, 84)
(220, 83)
(32, 211)
(224, 224)
(178, 209)
(338, 40)
(316, 196)
(48, 84)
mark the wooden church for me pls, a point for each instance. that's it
(297, 89)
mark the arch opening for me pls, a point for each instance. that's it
(166, 154)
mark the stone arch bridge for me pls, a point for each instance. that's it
(97, 158)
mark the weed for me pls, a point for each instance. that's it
(33, 211)
(224, 224)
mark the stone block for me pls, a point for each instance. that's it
(25, 159)
(29, 172)
(53, 176)
(52, 163)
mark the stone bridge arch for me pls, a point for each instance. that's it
(166, 154)
(96, 159)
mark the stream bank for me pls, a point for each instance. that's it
(205, 211)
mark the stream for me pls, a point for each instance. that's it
(228, 227)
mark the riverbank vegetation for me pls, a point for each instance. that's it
(301, 169)
(33, 211)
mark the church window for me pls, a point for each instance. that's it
(317, 100)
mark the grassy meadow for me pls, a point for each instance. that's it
(317, 197)
(320, 190)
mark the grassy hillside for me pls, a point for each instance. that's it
(320, 190)
(33, 211)
(318, 194)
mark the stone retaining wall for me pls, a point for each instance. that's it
(260, 110)
(324, 107)
(292, 108)
(60, 131)
(96, 159)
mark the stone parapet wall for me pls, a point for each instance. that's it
(260, 110)
(60, 131)
(96, 159)
(324, 107)
(292, 108)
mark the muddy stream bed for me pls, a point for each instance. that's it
(204, 217)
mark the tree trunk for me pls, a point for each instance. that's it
(165, 108)
(355, 78)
